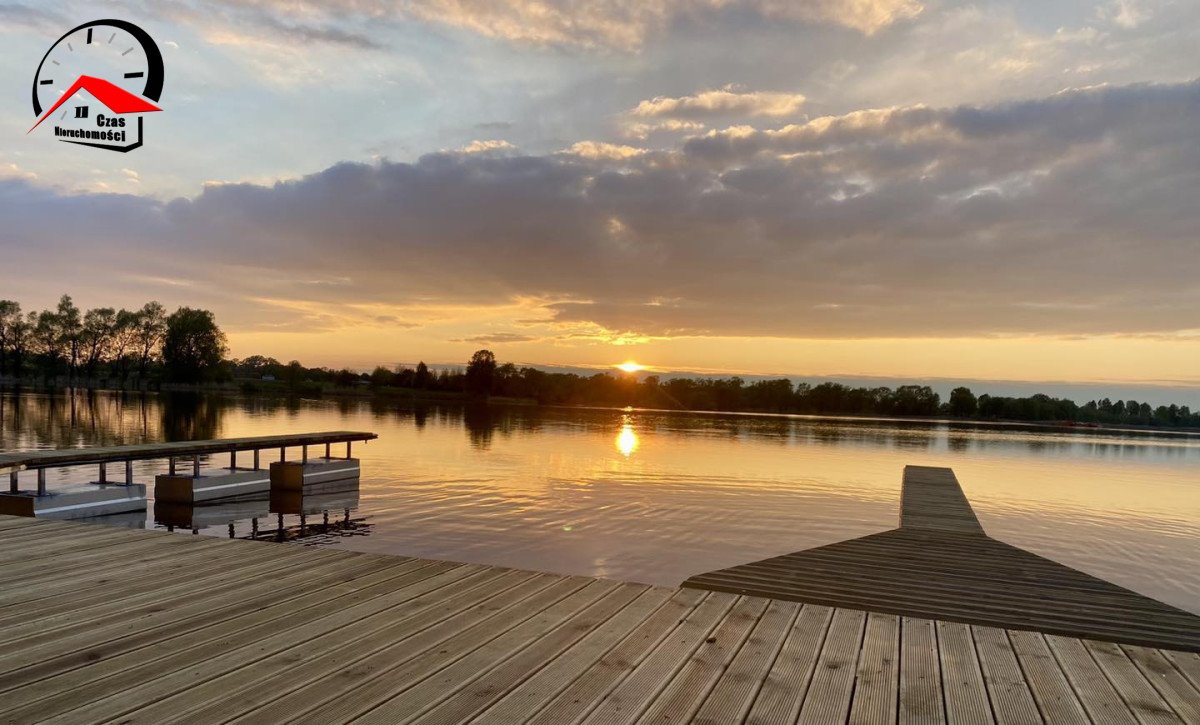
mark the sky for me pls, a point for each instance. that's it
(891, 188)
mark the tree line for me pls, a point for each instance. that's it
(108, 347)
(105, 347)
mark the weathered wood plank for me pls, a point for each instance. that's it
(1093, 689)
(920, 674)
(597, 681)
(1181, 695)
(541, 688)
(782, 693)
(1055, 698)
(877, 686)
(685, 693)
(965, 693)
(638, 690)
(1012, 702)
(828, 698)
(1145, 702)
(736, 690)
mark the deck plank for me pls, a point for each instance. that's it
(1176, 690)
(921, 699)
(1093, 689)
(877, 684)
(828, 698)
(1055, 698)
(735, 692)
(1012, 701)
(782, 693)
(967, 699)
(1145, 702)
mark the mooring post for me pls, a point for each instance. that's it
(129, 472)
(14, 482)
(256, 459)
(196, 466)
(41, 481)
(103, 472)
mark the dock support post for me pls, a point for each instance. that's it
(327, 451)
(129, 473)
(233, 460)
(14, 482)
(283, 454)
(41, 481)
(304, 454)
(256, 459)
(103, 473)
(347, 450)
(171, 466)
(196, 466)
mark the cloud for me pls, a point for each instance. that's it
(496, 338)
(723, 102)
(600, 150)
(618, 24)
(486, 146)
(1068, 214)
(641, 130)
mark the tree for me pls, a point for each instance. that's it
(193, 346)
(99, 325)
(422, 379)
(47, 338)
(481, 373)
(10, 315)
(963, 403)
(151, 328)
(124, 339)
(70, 328)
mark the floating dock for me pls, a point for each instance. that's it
(128, 626)
(106, 496)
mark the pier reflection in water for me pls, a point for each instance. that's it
(658, 497)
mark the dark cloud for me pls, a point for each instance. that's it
(1071, 214)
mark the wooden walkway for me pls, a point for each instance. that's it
(116, 625)
(940, 564)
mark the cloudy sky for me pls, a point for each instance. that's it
(1002, 190)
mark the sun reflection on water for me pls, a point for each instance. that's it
(627, 440)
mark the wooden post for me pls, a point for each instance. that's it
(14, 482)
(283, 454)
(233, 460)
(129, 472)
(171, 465)
(256, 459)
(41, 481)
(196, 466)
(304, 454)
(327, 456)
(103, 472)
(347, 450)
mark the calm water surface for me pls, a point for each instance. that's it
(657, 497)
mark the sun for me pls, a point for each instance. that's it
(630, 366)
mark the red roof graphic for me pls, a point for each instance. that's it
(117, 99)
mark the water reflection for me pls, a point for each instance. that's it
(627, 440)
(543, 488)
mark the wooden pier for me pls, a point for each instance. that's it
(940, 564)
(116, 625)
(107, 496)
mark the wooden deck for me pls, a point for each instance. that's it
(117, 625)
(941, 565)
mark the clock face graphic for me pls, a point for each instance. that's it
(119, 66)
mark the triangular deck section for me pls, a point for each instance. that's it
(941, 565)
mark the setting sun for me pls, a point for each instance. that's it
(630, 366)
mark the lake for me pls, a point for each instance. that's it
(655, 497)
